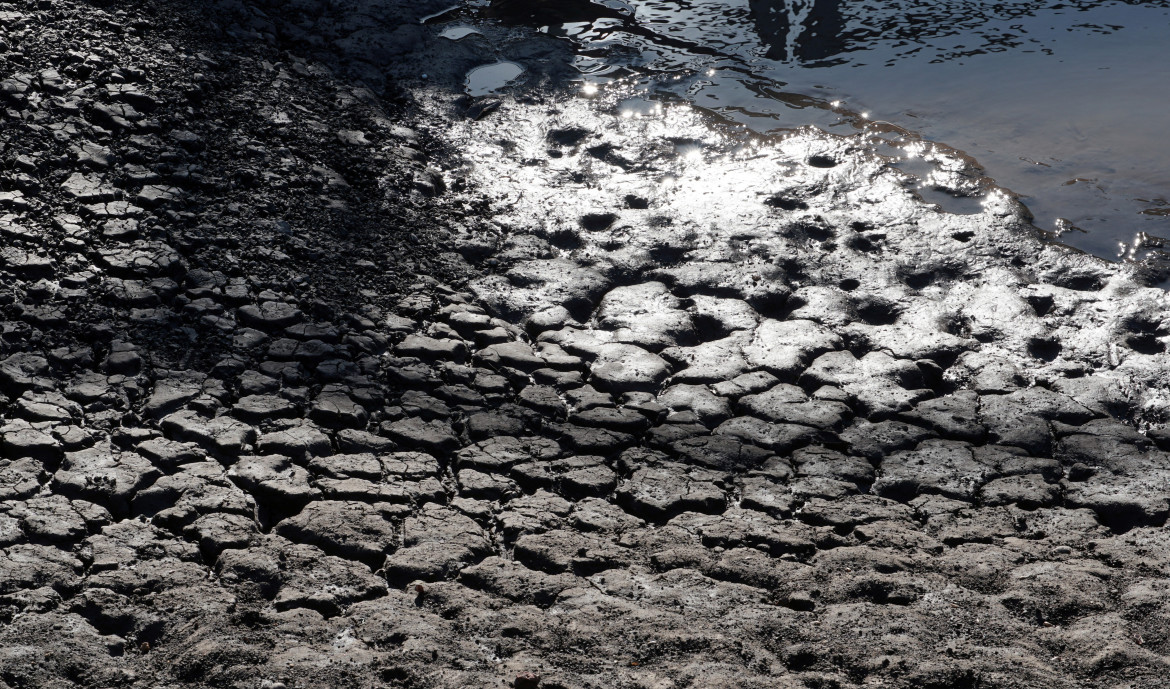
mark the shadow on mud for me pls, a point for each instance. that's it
(300, 183)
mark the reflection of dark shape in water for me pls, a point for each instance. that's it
(551, 12)
(804, 30)
(555, 13)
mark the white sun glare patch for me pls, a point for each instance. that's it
(915, 150)
(707, 177)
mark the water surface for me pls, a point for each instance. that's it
(487, 79)
(1063, 103)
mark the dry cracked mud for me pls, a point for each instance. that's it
(294, 393)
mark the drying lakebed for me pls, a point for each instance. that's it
(372, 343)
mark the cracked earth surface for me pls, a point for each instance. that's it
(293, 393)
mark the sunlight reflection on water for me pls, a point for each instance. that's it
(1063, 104)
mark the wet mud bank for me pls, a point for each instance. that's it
(316, 371)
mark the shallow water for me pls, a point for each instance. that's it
(1064, 104)
(456, 33)
(487, 79)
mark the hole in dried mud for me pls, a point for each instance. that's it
(932, 376)
(923, 276)
(801, 659)
(636, 202)
(607, 153)
(1145, 324)
(814, 230)
(1045, 349)
(957, 325)
(877, 311)
(859, 243)
(963, 236)
(596, 222)
(396, 674)
(918, 280)
(667, 255)
(775, 303)
(568, 137)
(1040, 304)
(709, 328)
(849, 284)
(1145, 344)
(786, 204)
(565, 239)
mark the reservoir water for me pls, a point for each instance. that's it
(1065, 104)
